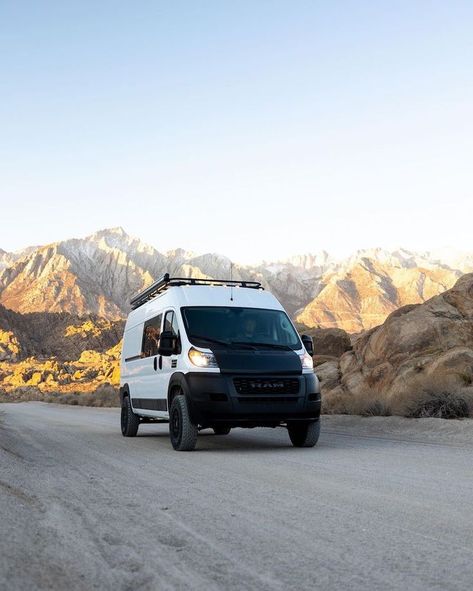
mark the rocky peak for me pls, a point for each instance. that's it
(310, 261)
(99, 274)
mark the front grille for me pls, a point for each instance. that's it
(266, 385)
(267, 399)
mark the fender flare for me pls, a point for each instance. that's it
(179, 381)
(124, 391)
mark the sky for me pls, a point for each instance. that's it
(257, 129)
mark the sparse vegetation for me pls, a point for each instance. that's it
(368, 404)
(443, 397)
(105, 395)
(441, 405)
(377, 408)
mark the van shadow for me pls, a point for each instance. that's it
(237, 441)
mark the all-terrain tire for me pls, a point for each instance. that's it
(129, 421)
(182, 431)
(304, 434)
(221, 430)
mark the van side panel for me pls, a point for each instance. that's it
(132, 340)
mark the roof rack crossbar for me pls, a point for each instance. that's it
(166, 281)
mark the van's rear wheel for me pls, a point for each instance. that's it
(129, 421)
(182, 431)
(304, 434)
(221, 430)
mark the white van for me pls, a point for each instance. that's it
(201, 353)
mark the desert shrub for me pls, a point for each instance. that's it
(377, 408)
(442, 405)
(104, 396)
(22, 394)
(444, 397)
(368, 403)
(334, 403)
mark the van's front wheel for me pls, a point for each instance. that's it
(182, 431)
(304, 434)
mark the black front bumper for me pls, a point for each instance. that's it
(213, 399)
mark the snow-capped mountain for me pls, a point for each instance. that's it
(8, 258)
(100, 273)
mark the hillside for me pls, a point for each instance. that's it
(362, 294)
(419, 361)
(99, 274)
(58, 351)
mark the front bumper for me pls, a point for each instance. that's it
(213, 399)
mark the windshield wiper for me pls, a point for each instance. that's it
(209, 340)
(269, 345)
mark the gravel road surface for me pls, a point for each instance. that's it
(380, 503)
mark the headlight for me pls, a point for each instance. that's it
(307, 361)
(201, 359)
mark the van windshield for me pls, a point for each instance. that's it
(240, 327)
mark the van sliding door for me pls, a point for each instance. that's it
(148, 398)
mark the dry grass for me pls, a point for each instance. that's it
(444, 397)
(368, 403)
(375, 408)
(442, 405)
(104, 396)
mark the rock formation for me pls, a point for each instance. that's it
(430, 343)
(58, 351)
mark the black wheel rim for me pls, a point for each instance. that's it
(175, 424)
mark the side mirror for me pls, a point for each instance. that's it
(308, 344)
(167, 343)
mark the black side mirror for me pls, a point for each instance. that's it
(167, 343)
(308, 344)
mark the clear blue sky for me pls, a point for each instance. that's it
(257, 129)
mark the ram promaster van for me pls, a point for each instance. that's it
(201, 353)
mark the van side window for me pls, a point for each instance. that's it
(171, 325)
(151, 333)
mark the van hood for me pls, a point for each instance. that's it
(257, 361)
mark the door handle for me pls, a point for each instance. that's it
(155, 363)
(160, 362)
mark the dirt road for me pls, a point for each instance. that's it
(381, 503)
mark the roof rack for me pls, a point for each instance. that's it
(166, 281)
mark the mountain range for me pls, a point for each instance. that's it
(99, 274)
